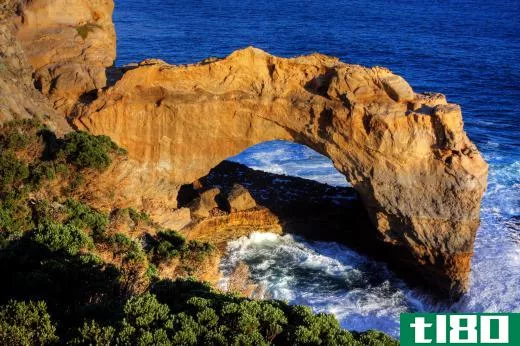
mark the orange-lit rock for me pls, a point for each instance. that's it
(419, 176)
(69, 43)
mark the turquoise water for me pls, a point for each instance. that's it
(468, 50)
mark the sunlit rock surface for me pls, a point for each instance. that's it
(419, 176)
(68, 43)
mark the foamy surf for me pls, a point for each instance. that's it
(361, 293)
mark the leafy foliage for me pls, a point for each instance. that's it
(18, 134)
(84, 217)
(100, 286)
(197, 250)
(88, 151)
(12, 171)
(59, 237)
(91, 333)
(126, 247)
(31, 156)
(26, 324)
(167, 245)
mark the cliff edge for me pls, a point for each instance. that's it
(406, 154)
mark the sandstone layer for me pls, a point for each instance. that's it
(19, 98)
(68, 43)
(419, 176)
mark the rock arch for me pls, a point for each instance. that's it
(419, 176)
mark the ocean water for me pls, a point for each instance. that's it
(466, 49)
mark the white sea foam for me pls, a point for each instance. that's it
(326, 276)
(280, 157)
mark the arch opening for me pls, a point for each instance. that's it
(296, 191)
(419, 177)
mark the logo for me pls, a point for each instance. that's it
(460, 329)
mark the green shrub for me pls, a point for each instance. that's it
(94, 334)
(15, 141)
(197, 251)
(88, 151)
(165, 251)
(165, 246)
(316, 329)
(15, 219)
(376, 338)
(78, 179)
(18, 134)
(146, 321)
(138, 216)
(42, 171)
(58, 237)
(26, 324)
(172, 237)
(127, 248)
(12, 171)
(152, 271)
(84, 217)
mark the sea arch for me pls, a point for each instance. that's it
(419, 176)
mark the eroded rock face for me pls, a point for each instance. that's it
(240, 199)
(205, 203)
(419, 176)
(69, 43)
(18, 97)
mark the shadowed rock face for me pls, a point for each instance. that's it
(419, 176)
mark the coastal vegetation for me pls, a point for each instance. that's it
(85, 29)
(73, 274)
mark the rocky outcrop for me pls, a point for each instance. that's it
(280, 204)
(420, 178)
(19, 98)
(240, 199)
(203, 205)
(69, 43)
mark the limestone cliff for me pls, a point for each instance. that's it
(19, 98)
(419, 176)
(69, 43)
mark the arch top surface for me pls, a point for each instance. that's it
(419, 176)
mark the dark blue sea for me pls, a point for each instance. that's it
(468, 50)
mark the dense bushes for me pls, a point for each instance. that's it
(26, 324)
(84, 217)
(71, 276)
(30, 156)
(12, 171)
(168, 244)
(165, 246)
(89, 302)
(18, 134)
(88, 151)
(60, 237)
(220, 320)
